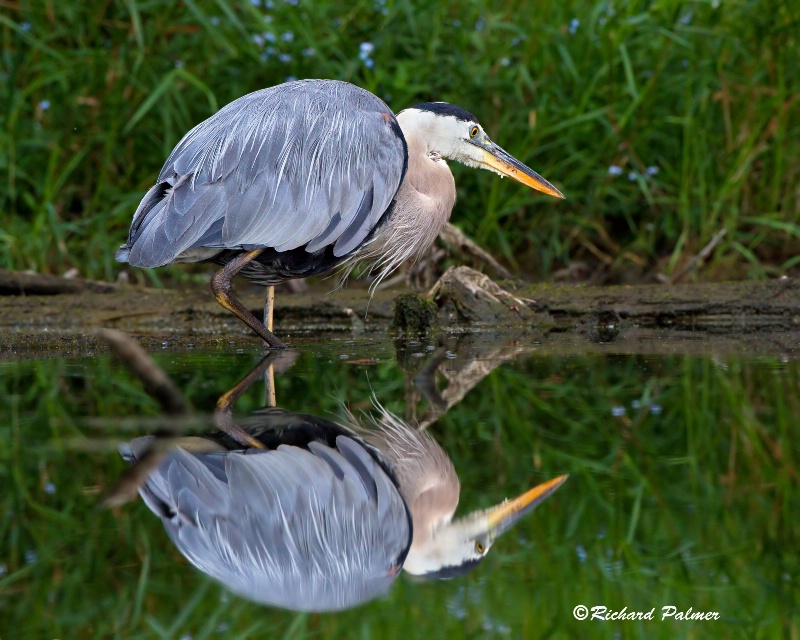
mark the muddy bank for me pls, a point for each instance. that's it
(756, 313)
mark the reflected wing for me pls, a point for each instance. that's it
(315, 530)
(309, 163)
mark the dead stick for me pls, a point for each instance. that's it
(715, 240)
(454, 236)
(42, 284)
(129, 483)
(156, 382)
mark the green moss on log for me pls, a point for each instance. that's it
(414, 314)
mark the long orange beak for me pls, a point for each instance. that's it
(504, 163)
(503, 516)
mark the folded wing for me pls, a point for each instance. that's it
(312, 163)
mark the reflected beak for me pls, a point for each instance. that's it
(505, 515)
(505, 164)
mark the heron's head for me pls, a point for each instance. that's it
(458, 546)
(456, 134)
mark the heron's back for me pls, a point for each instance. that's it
(306, 170)
(317, 529)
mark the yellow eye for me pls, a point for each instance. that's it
(479, 547)
(472, 133)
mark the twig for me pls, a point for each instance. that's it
(23, 283)
(454, 236)
(692, 264)
(129, 483)
(156, 382)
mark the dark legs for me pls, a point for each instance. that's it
(221, 286)
(223, 416)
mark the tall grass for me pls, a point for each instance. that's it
(663, 122)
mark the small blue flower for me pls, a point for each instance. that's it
(656, 409)
(30, 556)
(618, 411)
(285, 58)
(255, 3)
(290, 78)
(309, 52)
(582, 555)
(44, 105)
(364, 51)
(179, 64)
(258, 40)
(25, 26)
(504, 62)
(573, 26)
(636, 404)
(293, 3)
(652, 170)
(287, 36)
(632, 176)
(686, 18)
(480, 23)
(50, 488)
(214, 20)
(615, 170)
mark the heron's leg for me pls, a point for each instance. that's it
(269, 386)
(221, 286)
(269, 374)
(268, 306)
(223, 415)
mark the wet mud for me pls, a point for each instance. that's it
(763, 317)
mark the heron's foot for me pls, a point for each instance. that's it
(276, 343)
(221, 286)
(230, 303)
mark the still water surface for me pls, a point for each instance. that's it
(682, 491)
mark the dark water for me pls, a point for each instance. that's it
(682, 491)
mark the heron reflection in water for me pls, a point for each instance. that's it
(319, 516)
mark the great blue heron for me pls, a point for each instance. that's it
(293, 180)
(324, 516)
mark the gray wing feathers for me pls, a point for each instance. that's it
(312, 530)
(304, 163)
(185, 488)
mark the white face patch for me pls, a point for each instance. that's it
(445, 136)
